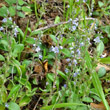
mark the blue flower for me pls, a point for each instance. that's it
(97, 40)
(6, 105)
(66, 70)
(40, 56)
(81, 44)
(1, 28)
(61, 47)
(37, 49)
(4, 20)
(75, 61)
(55, 49)
(73, 28)
(75, 74)
(10, 18)
(68, 59)
(65, 85)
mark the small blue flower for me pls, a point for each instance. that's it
(75, 62)
(71, 48)
(65, 85)
(1, 28)
(97, 40)
(68, 59)
(68, 6)
(66, 70)
(81, 44)
(10, 18)
(75, 74)
(73, 28)
(84, 1)
(6, 105)
(4, 20)
(55, 49)
(40, 56)
(34, 45)
(78, 51)
(70, 19)
(61, 47)
(69, 64)
(37, 49)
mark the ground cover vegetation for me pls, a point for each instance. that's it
(54, 54)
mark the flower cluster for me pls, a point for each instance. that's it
(13, 26)
(55, 49)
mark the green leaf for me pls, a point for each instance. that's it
(24, 101)
(106, 29)
(53, 38)
(66, 52)
(21, 2)
(28, 85)
(3, 11)
(100, 3)
(62, 105)
(87, 99)
(30, 40)
(62, 74)
(35, 33)
(101, 72)
(3, 96)
(14, 90)
(105, 60)
(100, 48)
(18, 49)
(2, 107)
(98, 88)
(10, 2)
(2, 58)
(20, 14)
(57, 20)
(50, 76)
(26, 9)
(13, 106)
(12, 11)
(96, 98)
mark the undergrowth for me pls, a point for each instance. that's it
(48, 66)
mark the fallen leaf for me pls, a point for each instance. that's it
(99, 106)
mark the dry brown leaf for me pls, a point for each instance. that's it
(102, 65)
(99, 106)
(38, 68)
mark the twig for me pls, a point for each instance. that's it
(65, 22)
(36, 103)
